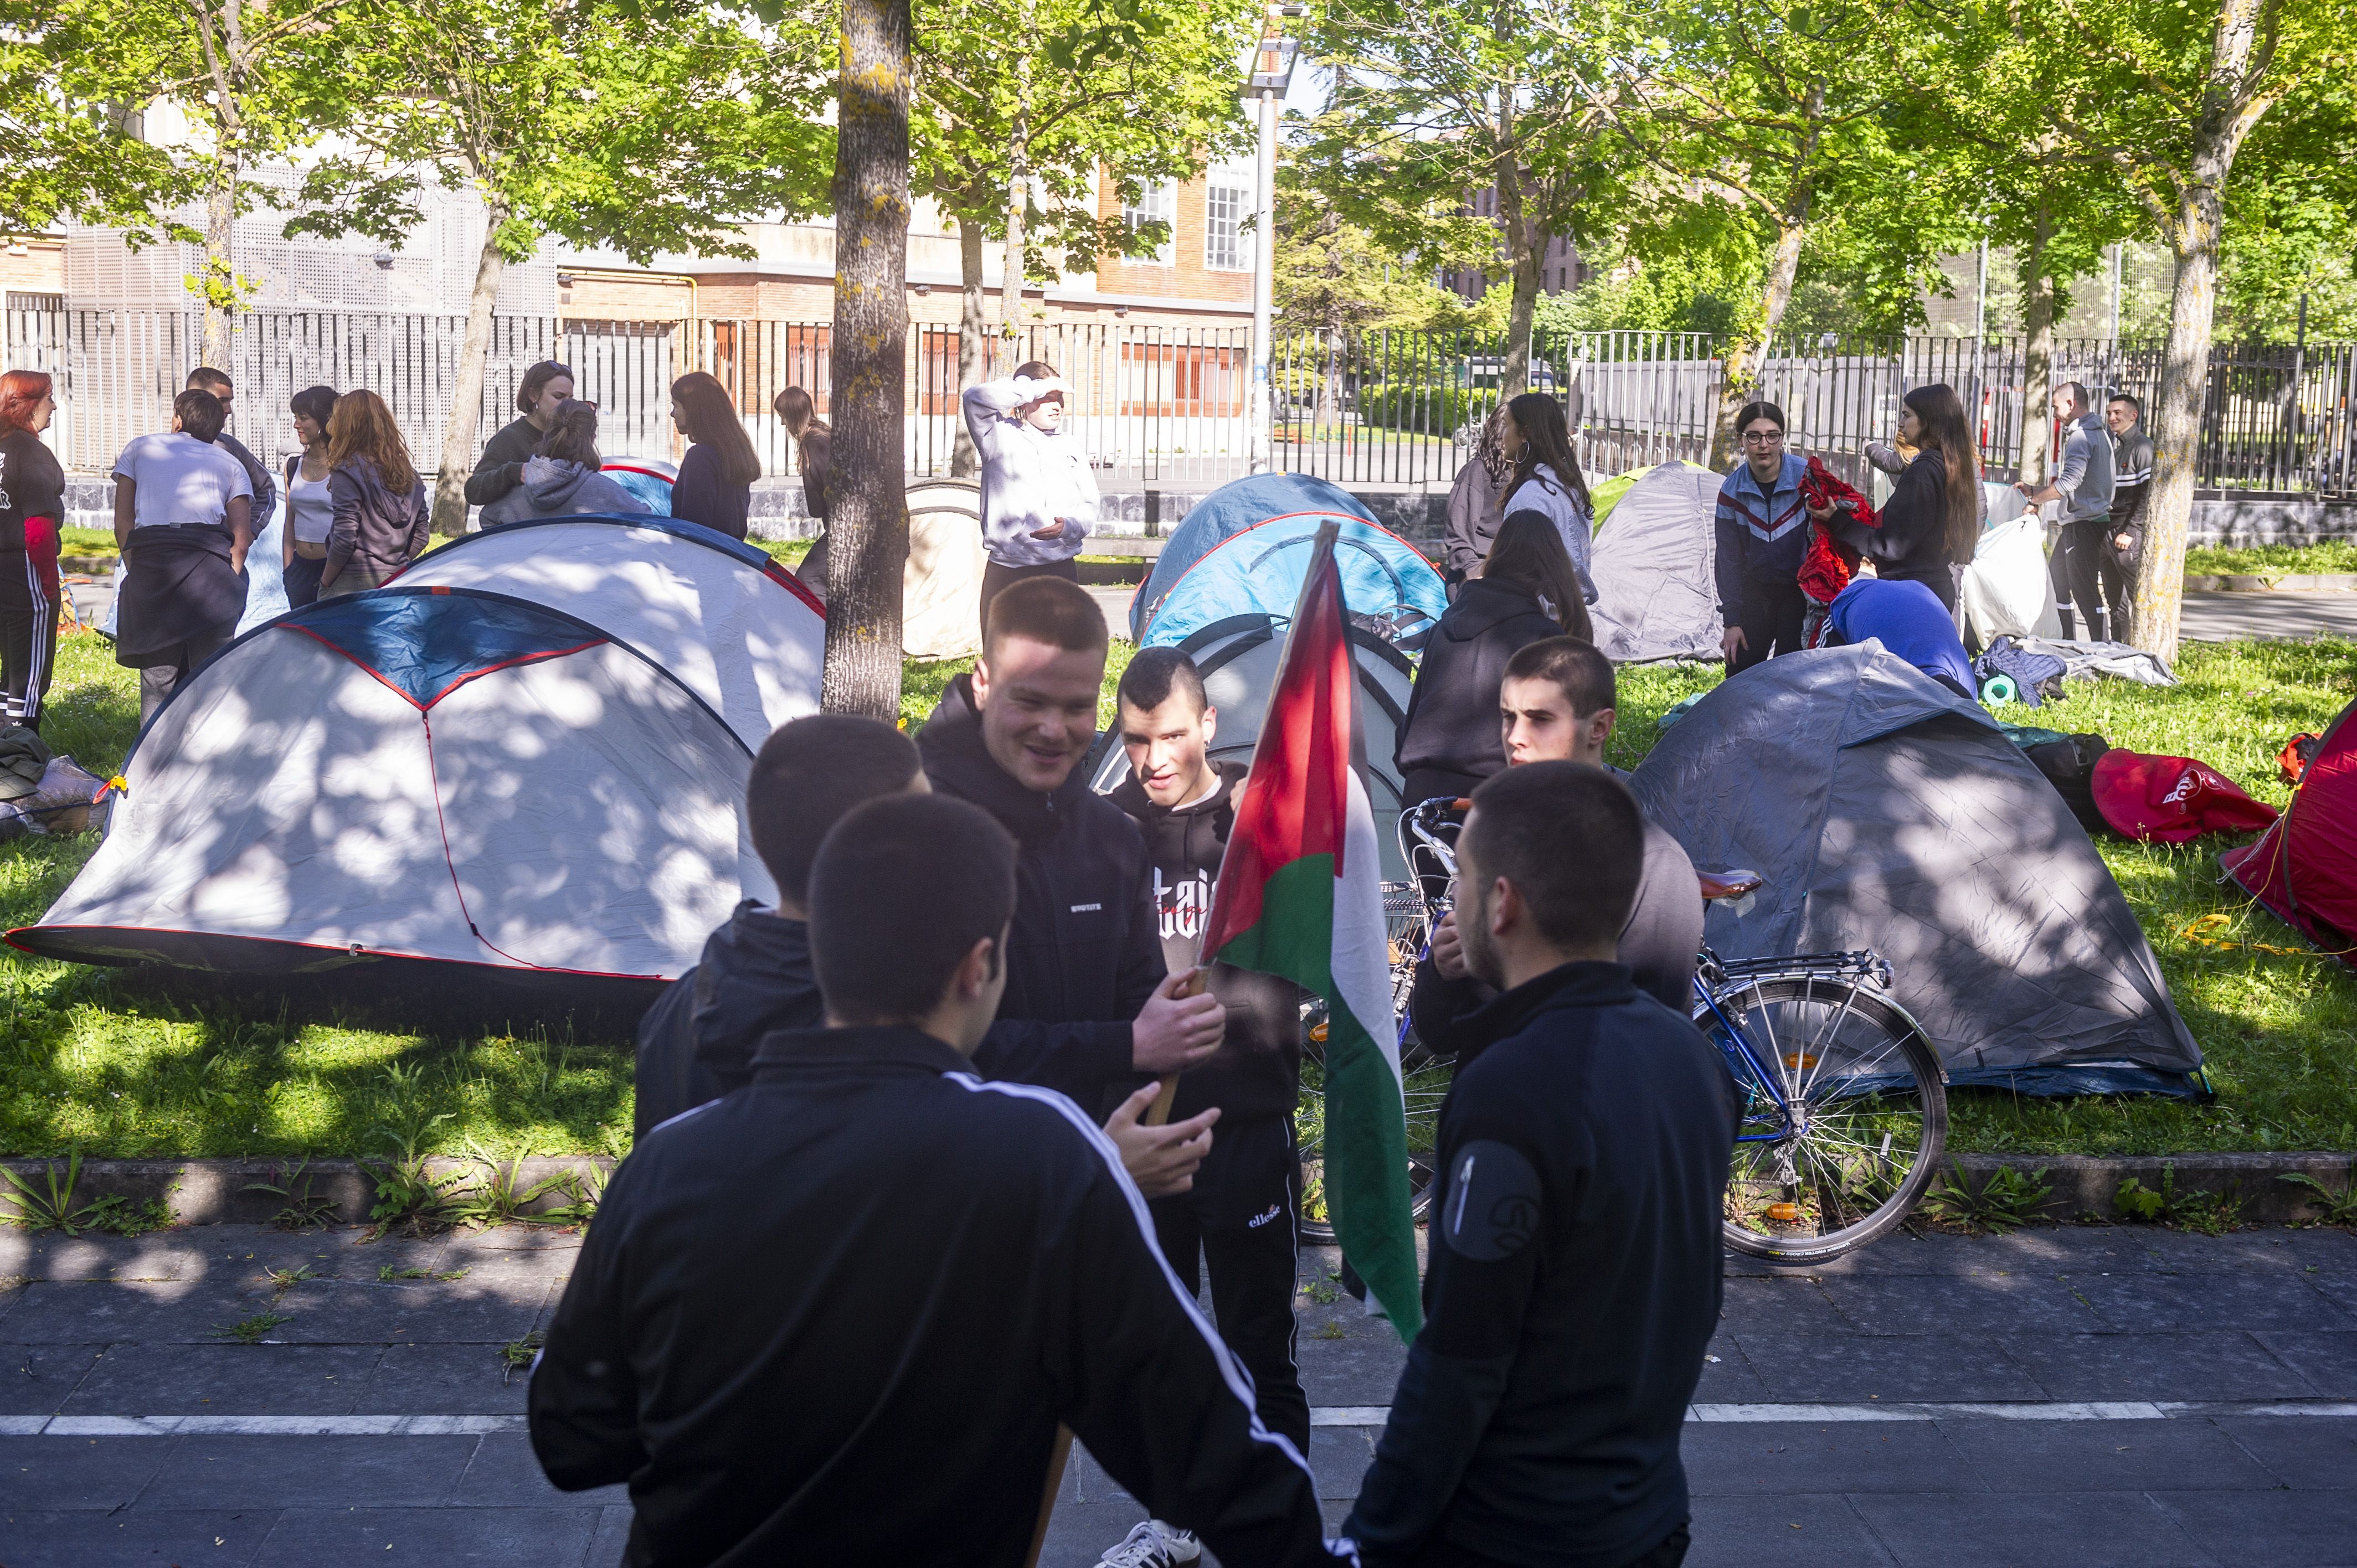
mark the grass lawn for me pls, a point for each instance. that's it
(2273, 560)
(124, 1063)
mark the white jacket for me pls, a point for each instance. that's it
(1546, 493)
(1029, 479)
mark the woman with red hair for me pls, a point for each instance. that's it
(32, 502)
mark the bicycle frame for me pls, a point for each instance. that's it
(1849, 970)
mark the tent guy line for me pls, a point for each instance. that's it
(93, 1426)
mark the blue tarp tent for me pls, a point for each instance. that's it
(1243, 549)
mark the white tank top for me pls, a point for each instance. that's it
(311, 510)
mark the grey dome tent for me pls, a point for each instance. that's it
(1887, 812)
(1655, 597)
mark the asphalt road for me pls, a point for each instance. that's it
(2075, 1397)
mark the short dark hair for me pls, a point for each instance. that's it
(1577, 667)
(1570, 838)
(201, 414)
(810, 774)
(2078, 390)
(529, 389)
(2130, 399)
(1155, 673)
(205, 376)
(1048, 610)
(314, 403)
(902, 889)
(1759, 410)
(1036, 370)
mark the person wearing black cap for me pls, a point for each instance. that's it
(943, 1271)
(1574, 1279)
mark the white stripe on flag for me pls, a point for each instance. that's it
(1362, 957)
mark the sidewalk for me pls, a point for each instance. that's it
(2073, 1396)
(2216, 617)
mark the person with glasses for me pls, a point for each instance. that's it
(1763, 535)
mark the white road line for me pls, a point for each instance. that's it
(1364, 1415)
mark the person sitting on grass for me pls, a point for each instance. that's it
(1575, 1275)
(1557, 703)
(696, 1042)
(940, 1271)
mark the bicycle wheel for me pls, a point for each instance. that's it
(1859, 1133)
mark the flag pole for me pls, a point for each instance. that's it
(1321, 552)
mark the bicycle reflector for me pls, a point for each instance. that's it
(1784, 1213)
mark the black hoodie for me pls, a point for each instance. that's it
(696, 1042)
(1084, 954)
(1452, 713)
(1257, 1070)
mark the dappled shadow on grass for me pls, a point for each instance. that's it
(154, 1062)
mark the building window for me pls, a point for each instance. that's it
(1156, 204)
(1224, 222)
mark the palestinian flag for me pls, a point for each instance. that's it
(1301, 895)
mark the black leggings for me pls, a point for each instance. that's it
(1771, 614)
(997, 579)
(2084, 570)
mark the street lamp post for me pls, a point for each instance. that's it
(1272, 76)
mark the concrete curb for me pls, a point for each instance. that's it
(2087, 1184)
(218, 1192)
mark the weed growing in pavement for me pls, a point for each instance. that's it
(407, 1195)
(517, 1354)
(51, 1206)
(250, 1330)
(305, 1209)
(2007, 1201)
(2341, 1209)
(285, 1279)
(579, 1191)
(388, 1275)
(1332, 1331)
(501, 1198)
(1320, 1291)
(119, 1216)
(2207, 1213)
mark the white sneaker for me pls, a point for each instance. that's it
(1154, 1544)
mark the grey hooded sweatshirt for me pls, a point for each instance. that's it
(554, 486)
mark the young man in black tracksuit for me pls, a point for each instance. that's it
(836, 1316)
(696, 1042)
(1241, 1217)
(1090, 1009)
(1574, 1280)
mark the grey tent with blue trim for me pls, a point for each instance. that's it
(1887, 812)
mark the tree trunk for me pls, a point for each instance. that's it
(974, 344)
(467, 385)
(1012, 270)
(1526, 246)
(2036, 353)
(1747, 353)
(867, 525)
(218, 287)
(2177, 423)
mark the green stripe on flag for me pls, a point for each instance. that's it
(1366, 1122)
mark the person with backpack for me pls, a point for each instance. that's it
(310, 499)
(1240, 1217)
(381, 520)
(1038, 497)
(1527, 591)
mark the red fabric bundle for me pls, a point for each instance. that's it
(1826, 570)
(2173, 798)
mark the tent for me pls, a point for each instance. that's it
(941, 589)
(1656, 596)
(739, 629)
(648, 479)
(428, 776)
(1238, 659)
(1887, 812)
(1243, 549)
(2305, 868)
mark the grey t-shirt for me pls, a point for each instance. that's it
(177, 478)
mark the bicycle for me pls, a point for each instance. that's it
(1842, 1110)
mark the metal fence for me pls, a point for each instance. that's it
(1168, 406)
